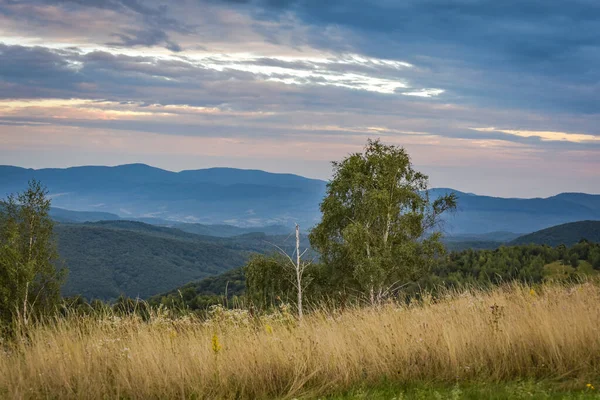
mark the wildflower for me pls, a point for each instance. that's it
(532, 292)
(269, 329)
(172, 334)
(590, 386)
(216, 346)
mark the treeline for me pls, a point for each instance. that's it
(528, 263)
(260, 282)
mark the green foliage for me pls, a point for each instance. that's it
(531, 264)
(224, 289)
(527, 389)
(594, 258)
(268, 279)
(378, 221)
(268, 286)
(29, 280)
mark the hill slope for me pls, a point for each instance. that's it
(567, 234)
(109, 258)
(481, 214)
(105, 262)
(219, 230)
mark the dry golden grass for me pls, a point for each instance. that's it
(511, 332)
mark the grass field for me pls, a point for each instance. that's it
(517, 390)
(541, 342)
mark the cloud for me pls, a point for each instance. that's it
(94, 70)
(424, 93)
(145, 37)
(421, 73)
(152, 24)
(535, 54)
(545, 135)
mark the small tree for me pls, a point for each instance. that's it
(265, 279)
(378, 225)
(269, 275)
(574, 260)
(29, 280)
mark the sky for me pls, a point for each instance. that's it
(492, 97)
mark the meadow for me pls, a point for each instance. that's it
(458, 341)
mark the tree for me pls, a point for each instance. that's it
(29, 280)
(379, 222)
(298, 268)
(594, 257)
(265, 279)
(265, 275)
(574, 260)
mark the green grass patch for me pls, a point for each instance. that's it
(493, 391)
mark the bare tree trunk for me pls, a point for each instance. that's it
(31, 223)
(298, 272)
(25, 319)
(388, 226)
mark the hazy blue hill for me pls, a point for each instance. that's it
(481, 214)
(113, 220)
(251, 199)
(483, 241)
(567, 234)
(62, 215)
(232, 176)
(590, 201)
(489, 236)
(230, 230)
(438, 192)
(211, 196)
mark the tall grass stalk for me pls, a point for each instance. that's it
(512, 332)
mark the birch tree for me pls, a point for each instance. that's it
(378, 228)
(29, 280)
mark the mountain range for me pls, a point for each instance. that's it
(251, 198)
(209, 196)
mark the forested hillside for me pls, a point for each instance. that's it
(104, 263)
(527, 263)
(110, 258)
(567, 234)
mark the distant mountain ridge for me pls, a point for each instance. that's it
(483, 214)
(209, 196)
(218, 230)
(253, 198)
